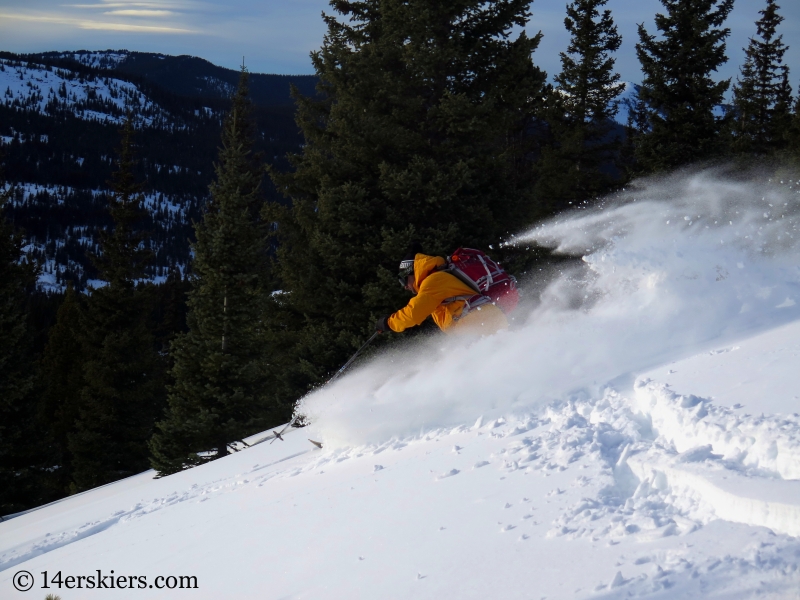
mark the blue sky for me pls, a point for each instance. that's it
(276, 36)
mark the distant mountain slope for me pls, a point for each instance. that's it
(190, 75)
(60, 114)
(28, 85)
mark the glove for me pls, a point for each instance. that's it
(382, 324)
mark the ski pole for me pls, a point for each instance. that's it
(278, 435)
(352, 358)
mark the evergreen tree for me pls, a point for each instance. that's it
(168, 307)
(220, 393)
(123, 390)
(20, 468)
(581, 109)
(793, 139)
(62, 372)
(124, 253)
(678, 125)
(762, 96)
(420, 134)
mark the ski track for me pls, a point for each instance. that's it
(202, 493)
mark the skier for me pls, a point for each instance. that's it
(454, 306)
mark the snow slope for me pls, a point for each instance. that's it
(168, 211)
(99, 60)
(50, 91)
(611, 445)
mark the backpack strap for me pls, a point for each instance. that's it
(470, 302)
(489, 277)
(453, 270)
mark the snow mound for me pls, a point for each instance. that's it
(768, 443)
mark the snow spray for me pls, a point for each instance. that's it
(670, 267)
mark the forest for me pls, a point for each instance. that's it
(213, 253)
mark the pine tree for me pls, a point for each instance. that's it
(678, 124)
(62, 372)
(220, 393)
(793, 138)
(124, 254)
(168, 307)
(762, 96)
(20, 468)
(581, 109)
(420, 134)
(123, 391)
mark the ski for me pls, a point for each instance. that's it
(276, 435)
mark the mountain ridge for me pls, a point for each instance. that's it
(59, 118)
(187, 75)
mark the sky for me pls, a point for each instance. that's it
(276, 36)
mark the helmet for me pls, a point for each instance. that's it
(407, 264)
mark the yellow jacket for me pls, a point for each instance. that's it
(432, 288)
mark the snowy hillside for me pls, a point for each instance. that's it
(636, 434)
(54, 254)
(99, 60)
(60, 115)
(31, 90)
(50, 91)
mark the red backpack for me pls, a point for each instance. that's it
(485, 276)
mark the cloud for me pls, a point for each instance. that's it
(96, 25)
(140, 13)
(178, 5)
(106, 5)
(133, 28)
